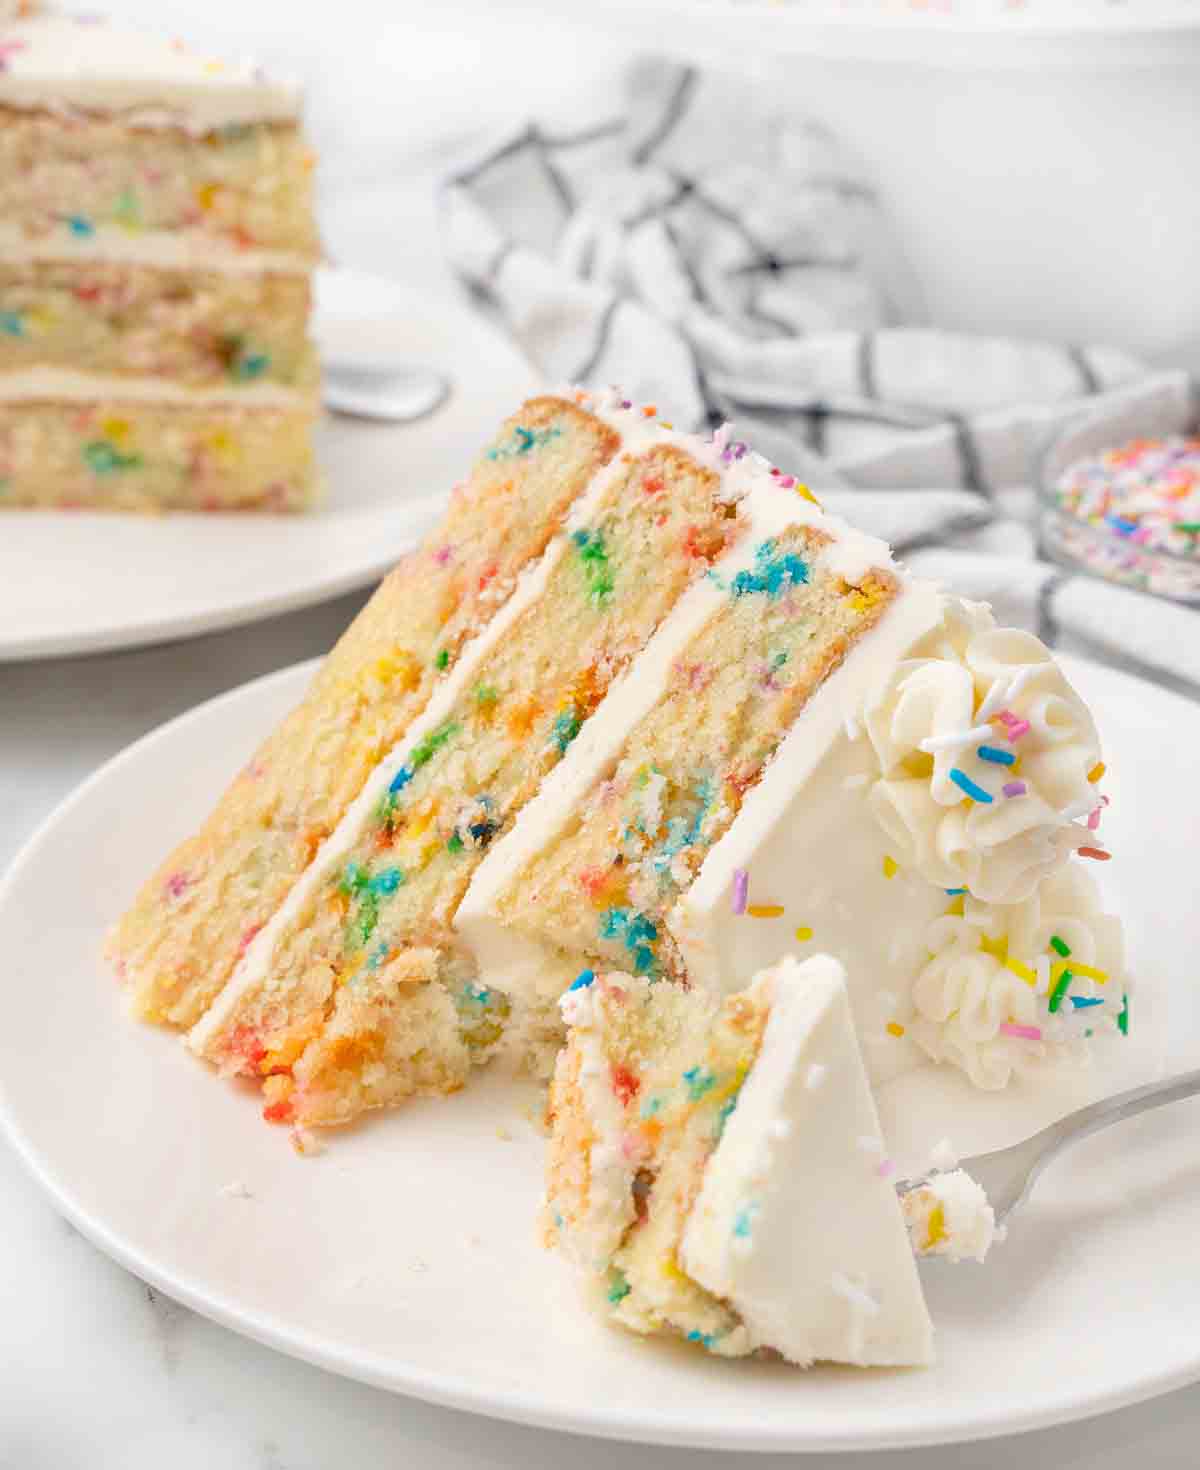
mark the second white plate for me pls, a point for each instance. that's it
(83, 582)
(406, 1255)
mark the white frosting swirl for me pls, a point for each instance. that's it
(967, 992)
(926, 724)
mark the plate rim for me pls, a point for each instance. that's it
(642, 1427)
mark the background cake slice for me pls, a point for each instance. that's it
(718, 1171)
(156, 250)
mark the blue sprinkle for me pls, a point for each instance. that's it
(78, 225)
(954, 892)
(741, 1222)
(583, 980)
(1119, 523)
(964, 783)
(1081, 1003)
(401, 779)
(774, 573)
(387, 881)
(997, 757)
(11, 324)
(705, 1339)
(699, 1081)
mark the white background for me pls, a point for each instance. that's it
(95, 1372)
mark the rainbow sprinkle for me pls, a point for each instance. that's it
(894, 1028)
(1026, 1033)
(1094, 852)
(1082, 1002)
(1014, 788)
(804, 934)
(764, 910)
(1059, 991)
(582, 980)
(1059, 946)
(955, 892)
(997, 757)
(971, 788)
(741, 888)
(890, 867)
(1097, 772)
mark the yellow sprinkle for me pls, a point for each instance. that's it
(224, 447)
(1097, 771)
(807, 494)
(1023, 971)
(116, 431)
(890, 867)
(670, 1269)
(997, 948)
(858, 602)
(206, 195)
(937, 1226)
(894, 1028)
(764, 910)
(730, 1087)
(214, 67)
(956, 906)
(1088, 972)
(662, 423)
(804, 934)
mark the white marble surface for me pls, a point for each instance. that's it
(96, 1371)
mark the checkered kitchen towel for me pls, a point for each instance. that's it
(730, 263)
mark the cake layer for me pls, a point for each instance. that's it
(193, 327)
(393, 878)
(249, 184)
(715, 1170)
(191, 922)
(130, 453)
(81, 63)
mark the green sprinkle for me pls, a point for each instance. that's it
(1058, 946)
(485, 694)
(430, 746)
(455, 844)
(442, 658)
(699, 1081)
(103, 459)
(1060, 990)
(252, 365)
(620, 1288)
(1123, 1018)
(11, 324)
(597, 567)
(126, 209)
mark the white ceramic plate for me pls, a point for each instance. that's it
(405, 1255)
(84, 582)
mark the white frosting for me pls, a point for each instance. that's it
(966, 995)
(58, 385)
(796, 1226)
(62, 64)
(935, 709)
(950, 1216)
(189, 250)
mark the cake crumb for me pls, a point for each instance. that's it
(306, 1143)
(235, 1189)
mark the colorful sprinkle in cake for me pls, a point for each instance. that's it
(640, 704)
(717, 1171)
(156, 251)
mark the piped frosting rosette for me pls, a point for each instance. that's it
(1009, 988)
(985, 753)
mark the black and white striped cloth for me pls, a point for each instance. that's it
(725, 259)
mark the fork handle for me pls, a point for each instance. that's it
(1117, 1108)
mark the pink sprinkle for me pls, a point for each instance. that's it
(1016, 731)
(741, 889)
(1094, 820)
(625, 403)
(721, 437)
(1015, 788)
(244, 942)
(1026, 1033)
(442, 556)
(633, 1147)
(788, 481)
(176, 883)
(885, 1168)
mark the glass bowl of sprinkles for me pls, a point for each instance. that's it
(1127, 510)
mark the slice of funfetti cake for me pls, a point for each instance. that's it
(718, 1172)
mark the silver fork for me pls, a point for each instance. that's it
(1008, 1174)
